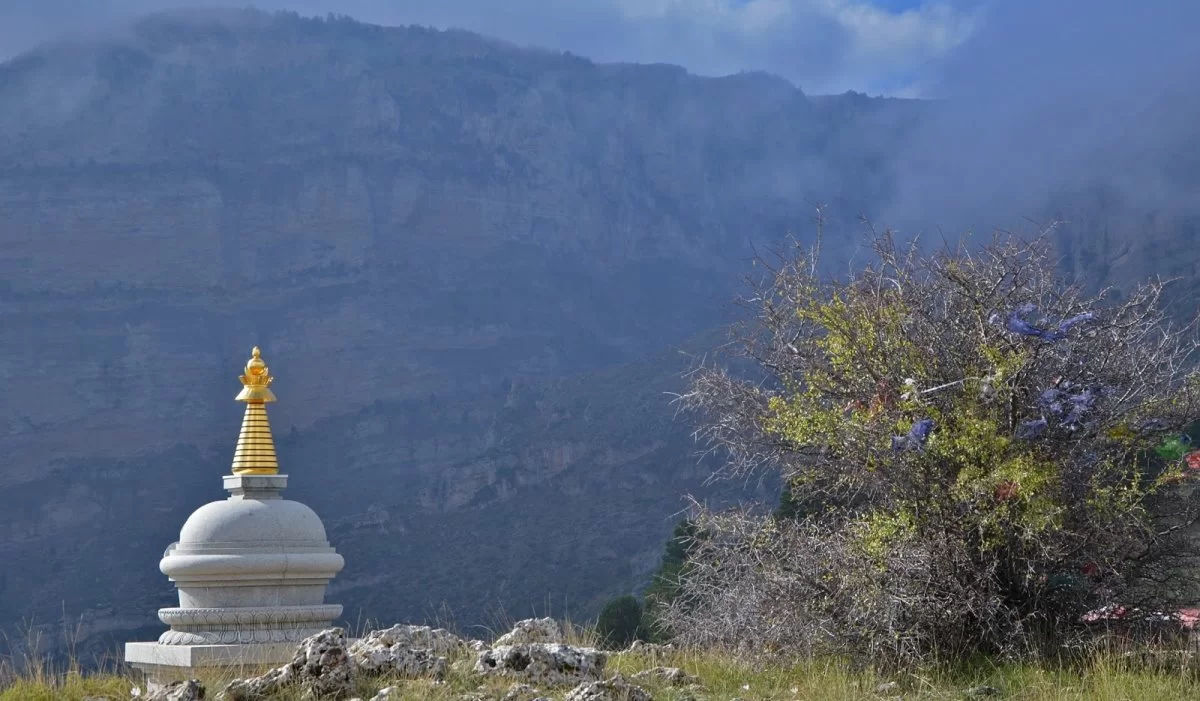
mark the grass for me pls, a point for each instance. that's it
(723, 677)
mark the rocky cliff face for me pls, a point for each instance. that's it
(423, 230)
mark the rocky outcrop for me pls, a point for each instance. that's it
(324, 667)
(321, 668)
(520, 692)
(614, 689)
(641, 647)
(405, 651)
(191, 690)
(672, 676)
(532, 630)
(543, 664)
(387, 693)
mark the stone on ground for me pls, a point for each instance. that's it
(532, 630)
(519, 691)
(321, 668)
(615, 689)
(191, 690)
(405, 651)
(543, 664)
(643, 648)
(437, 640)
(665, 675)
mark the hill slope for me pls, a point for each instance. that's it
(423, 230)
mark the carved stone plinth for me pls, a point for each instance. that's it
(247, 624)
(251, 571)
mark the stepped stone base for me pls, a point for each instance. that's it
(251, 571)
(163, 664)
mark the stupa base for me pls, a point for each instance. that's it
(162, 664)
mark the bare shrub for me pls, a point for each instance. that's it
(976, 455)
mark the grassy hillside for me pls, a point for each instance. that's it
(721, 677)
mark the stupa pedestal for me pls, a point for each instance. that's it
(251, 569)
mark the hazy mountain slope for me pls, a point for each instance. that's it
(555, 493)
(411, 224)
(467, 263)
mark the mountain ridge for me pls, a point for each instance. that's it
(407, 272)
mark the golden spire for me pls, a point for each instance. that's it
(255, 453)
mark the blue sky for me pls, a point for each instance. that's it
(821, 45)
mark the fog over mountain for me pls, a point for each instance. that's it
(823, 46)
(474, 266)
(1051, 97)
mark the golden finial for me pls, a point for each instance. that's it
(255, 453)
(257, 380)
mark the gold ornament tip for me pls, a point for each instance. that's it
(256, 381)
(255, 452)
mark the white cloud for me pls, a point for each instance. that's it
(887, 44)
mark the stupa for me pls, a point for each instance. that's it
(251, 569)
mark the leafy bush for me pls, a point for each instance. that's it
(620, 622)
(976, 456)
(666, 584)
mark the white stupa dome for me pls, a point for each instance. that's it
(253, 521)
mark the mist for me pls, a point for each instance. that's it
(821, 45)
(1054, 98)
(1038, 98)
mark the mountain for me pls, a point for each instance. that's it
(472, 268)
(470, 265)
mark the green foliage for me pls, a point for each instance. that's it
(955, 454)
(620, 622)
(71, 687)
(871, 339)
(1173, 448)
(666, 585)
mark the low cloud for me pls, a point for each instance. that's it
(1054, 96)
(821, 45)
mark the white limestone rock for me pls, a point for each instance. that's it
(191, 690)
(643, 648)
(437, 640)
(405, 650)
(543, 664)
(615, 689)
(321, 668)
(402, 662)
(532, 630)
(519, 691)
(387, 693)
(665, 675)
